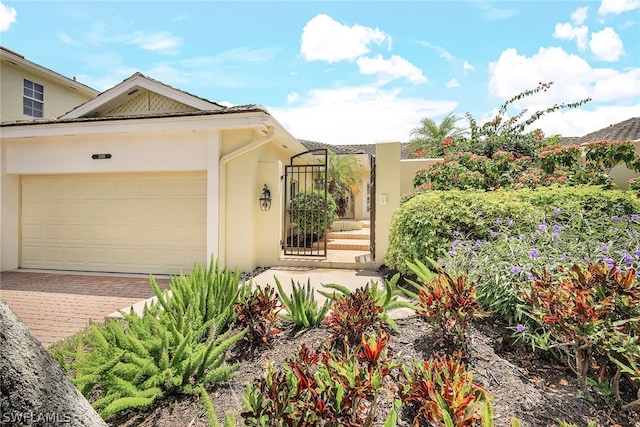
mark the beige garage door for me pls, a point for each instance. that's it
(136, 223)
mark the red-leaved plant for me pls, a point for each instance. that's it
(440, 391)
(586, 313)
(444, 301)
(259, 313)
(322, 387)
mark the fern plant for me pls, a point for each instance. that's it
(179, 343)
(302, 307)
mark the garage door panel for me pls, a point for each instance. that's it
(139, 223)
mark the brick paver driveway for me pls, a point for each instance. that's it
(57, 305)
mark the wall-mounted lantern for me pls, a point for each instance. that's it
(265, 199)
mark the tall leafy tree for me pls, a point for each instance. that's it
(431, 139)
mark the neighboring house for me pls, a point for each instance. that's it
(28, 90)
(627, 130)
(142, 178)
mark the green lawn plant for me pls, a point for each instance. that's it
(301, 306)
(174, 347)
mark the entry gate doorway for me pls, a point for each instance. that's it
(305, 220)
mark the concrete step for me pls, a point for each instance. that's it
(363, 234)
(348, 244)
(344, 259)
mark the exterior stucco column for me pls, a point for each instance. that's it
(213, 201)
(387, 193)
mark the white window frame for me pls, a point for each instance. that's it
(32, 99)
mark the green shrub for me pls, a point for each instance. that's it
(179, 343)
(304, 207)
(426, 226)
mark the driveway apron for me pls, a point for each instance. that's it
(55, 305)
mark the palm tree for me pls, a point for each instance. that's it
(344, 173)
(434, 139)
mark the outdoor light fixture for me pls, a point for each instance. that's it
(265, 199)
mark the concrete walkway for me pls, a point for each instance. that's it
(351, 279)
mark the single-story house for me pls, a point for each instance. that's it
(143, 178)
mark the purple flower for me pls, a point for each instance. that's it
(565, 256)
(542, 226)
(520, 328)
(635, 217)
(498, 221)
(516, 270)
(615, 218)
(627, 259)
(509, 222)
(456, 233)
(533, 253)
(634, 235)
(638, 253)
(530, 276)
(521, 237)
(479, 213)
(609, 262)
(556, 211)
(604, 247)
(492, 233)
(556, 228)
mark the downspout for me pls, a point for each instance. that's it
(222, 217)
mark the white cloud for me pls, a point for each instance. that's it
(606, 45)
(358, 115)
(566, 31)
(492, 12)
(453, 83)
(579, 15)
(580, 121)
(161, 42)
(573, 77)
(67, 39)
(7, 17)
(618, 6)
(292, 97)
(325, 39)
(468, 67)
(390, 69)
(442, 52)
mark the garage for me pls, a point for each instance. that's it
(124, 222)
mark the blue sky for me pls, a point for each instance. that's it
(353, 71)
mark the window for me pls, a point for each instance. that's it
(33, 100)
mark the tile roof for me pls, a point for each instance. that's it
(337, 149)
(628, 130)
(250, 108)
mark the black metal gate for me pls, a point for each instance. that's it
(372, 207)
(305, 219)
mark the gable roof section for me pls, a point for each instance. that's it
(140, 95)
(18, 60)
(628, 130)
